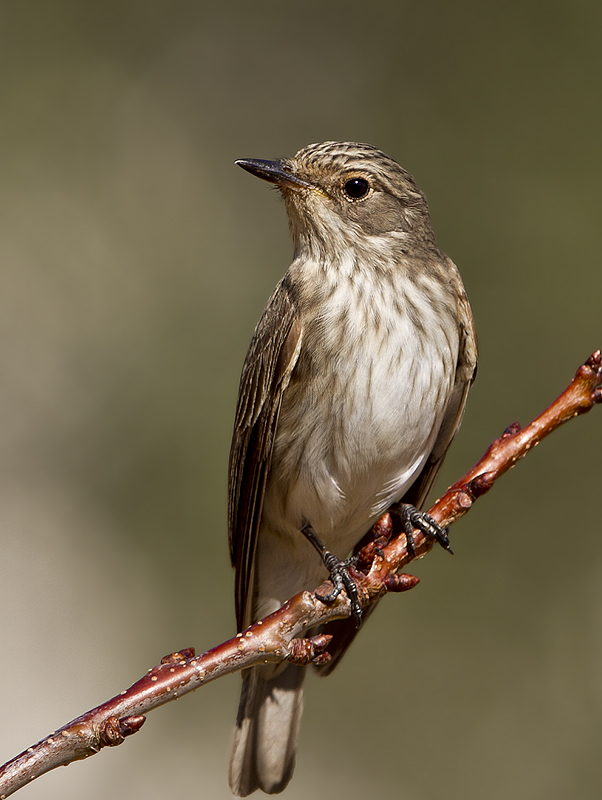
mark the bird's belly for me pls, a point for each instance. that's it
(351, 442)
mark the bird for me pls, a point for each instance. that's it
(351, 392)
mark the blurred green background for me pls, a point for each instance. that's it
(136, 259)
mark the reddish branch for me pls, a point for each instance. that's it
(280, 636)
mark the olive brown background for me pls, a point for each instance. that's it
(136, 259)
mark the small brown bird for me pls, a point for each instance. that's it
(351, 392)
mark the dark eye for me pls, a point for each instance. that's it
(356, 188)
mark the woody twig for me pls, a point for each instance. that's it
(279, 636)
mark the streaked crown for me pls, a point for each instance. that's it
(322, 159)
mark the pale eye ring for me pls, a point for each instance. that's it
(356, 188)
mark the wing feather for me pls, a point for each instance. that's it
(272, 355)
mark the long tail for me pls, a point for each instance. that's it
(265, 737)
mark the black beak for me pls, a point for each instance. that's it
(277, 172)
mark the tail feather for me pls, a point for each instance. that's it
(265, 737)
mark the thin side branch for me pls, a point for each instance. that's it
(279, 636)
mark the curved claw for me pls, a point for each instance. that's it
(412, 518)
(338, 572)
(341, 579)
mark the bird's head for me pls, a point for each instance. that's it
(345, 193)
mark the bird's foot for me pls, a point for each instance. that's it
(338, 572)
(412, 518)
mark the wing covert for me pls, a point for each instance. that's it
(272, 355)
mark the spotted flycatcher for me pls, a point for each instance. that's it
(352, 390)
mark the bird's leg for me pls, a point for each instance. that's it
(412, 518)
(338, 572)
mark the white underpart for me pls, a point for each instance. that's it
(357, 428)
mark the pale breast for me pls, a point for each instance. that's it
(363, 408)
